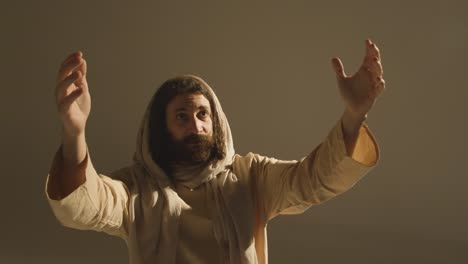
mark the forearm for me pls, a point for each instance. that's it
(293, 186)
(80, 197)
(70, 171)
(351, 127)
(74, 150)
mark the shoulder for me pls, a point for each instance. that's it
(127, 175)
(245, 164)
(137, 182)
(244, 160)
(253, 159)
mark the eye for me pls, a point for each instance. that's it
(181, 116)
(203, 114)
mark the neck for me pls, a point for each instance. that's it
(188, 164)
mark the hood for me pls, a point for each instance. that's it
(143, 156)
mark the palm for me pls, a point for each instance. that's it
(361, 90)
(78, 112)
(72, 94)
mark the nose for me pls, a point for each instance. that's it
(196, 126)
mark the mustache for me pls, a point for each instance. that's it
(196, 139)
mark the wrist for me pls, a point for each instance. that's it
(74, 149)
(72, 132)
(351, 125)
(352, 122)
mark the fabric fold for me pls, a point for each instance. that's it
(140, 204)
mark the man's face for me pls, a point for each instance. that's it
(189, 123)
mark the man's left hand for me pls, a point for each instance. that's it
(361, 90)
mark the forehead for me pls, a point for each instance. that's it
(188, 101)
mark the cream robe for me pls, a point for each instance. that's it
(232, 204)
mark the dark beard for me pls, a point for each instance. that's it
(192, 150)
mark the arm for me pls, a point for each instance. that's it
(351, 128)
(359, 93)
(345, 156)
(71, 172)
(100, 203)
(290, 187)
(74, 105)
(79, 196)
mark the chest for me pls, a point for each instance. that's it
(196, 243)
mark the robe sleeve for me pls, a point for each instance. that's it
(291, 187)
(99, 204)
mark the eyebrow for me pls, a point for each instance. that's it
(183, 108)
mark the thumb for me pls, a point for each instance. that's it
(65, 105)
(338, 67)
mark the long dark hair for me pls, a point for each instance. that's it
(159, 138)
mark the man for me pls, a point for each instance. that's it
(187, 197)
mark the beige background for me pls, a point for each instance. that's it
(269, 64)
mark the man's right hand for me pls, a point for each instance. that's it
(72, 95)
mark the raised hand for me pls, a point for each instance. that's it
(361, 90)
(72, 95)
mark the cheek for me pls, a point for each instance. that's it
(209, 127)
(174, 131)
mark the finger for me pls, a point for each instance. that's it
(338, 67)
(68, 67)
(82, 67)
(374, 67)
(381, 82)
(377, 90)
(368, 46)
(81, 82)
(65, 104)
(71, 56)
(378, 65)
(373, 51)
(380, 85)
(63, 86)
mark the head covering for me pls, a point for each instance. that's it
(143, 153)
(214, 175)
